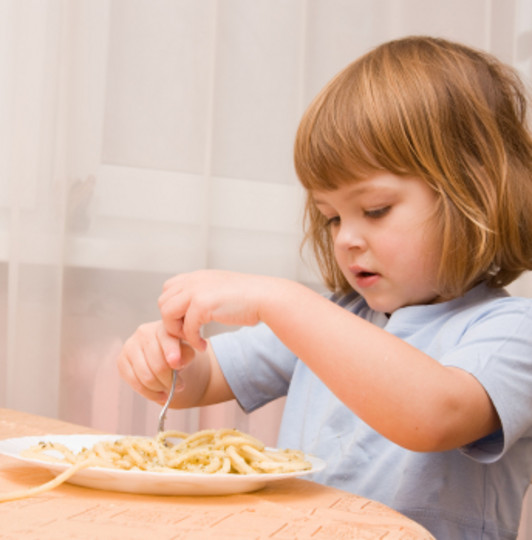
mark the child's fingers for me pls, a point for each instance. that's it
(174, 296)
(173, 308)
(183, 320)
(174, 350)
(128, 366)
(144, 353)
(192, 326)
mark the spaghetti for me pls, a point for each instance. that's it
(222, 451)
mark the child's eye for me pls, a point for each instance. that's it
(376, 213)
(332, 221)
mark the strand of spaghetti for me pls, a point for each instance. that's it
(170, 434)
(51, 484)
(238, 442)
(238, 462)
(251, 453)
(196, 439)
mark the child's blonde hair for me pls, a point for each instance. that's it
(452, 115)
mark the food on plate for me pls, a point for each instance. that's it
(222, 451)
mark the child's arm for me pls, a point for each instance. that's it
(148, 357)
(400, 391)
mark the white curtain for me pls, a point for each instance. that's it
(142, 138)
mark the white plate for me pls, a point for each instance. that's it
(154, 483)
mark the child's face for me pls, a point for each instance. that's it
(386, 239)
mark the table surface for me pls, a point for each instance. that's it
(284, 510)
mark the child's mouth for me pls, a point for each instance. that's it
(366, 279)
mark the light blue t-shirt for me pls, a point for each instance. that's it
(470, 493)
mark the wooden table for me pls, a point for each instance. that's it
(284, 510)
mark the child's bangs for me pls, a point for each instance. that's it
(346, 134)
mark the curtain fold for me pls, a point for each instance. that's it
(32, 203)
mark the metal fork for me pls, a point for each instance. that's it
(162, 416)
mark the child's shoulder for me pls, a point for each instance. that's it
(491, 310)
(487, 298)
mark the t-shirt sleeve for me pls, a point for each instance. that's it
(256, 364)
(497, 351)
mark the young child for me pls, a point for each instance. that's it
(414, 379)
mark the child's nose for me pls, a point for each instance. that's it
(349, 237)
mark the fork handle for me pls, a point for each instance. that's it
(162, 416)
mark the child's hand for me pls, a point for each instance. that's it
(191, 300)
(148, 357)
